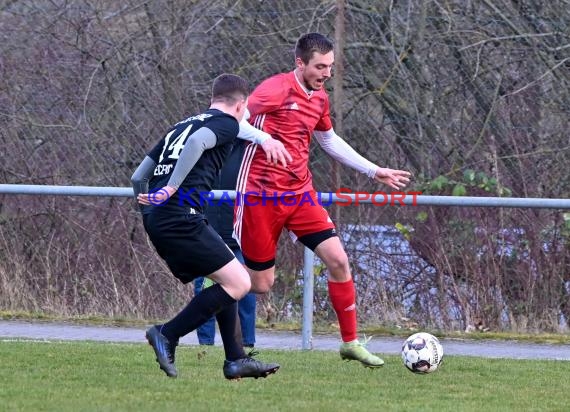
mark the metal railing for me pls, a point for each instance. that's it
(406, 199)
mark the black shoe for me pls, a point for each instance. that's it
(164, 350)
(248, 368)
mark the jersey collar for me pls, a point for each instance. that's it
(308, 92)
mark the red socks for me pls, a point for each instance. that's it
(343, 298)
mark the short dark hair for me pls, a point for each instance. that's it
(310, 43)
(229, 88)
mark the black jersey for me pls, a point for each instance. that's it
(200, 178)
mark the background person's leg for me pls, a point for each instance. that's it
(246, 309)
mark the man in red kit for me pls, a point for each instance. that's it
(292, 107)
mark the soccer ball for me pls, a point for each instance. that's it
(422, 353)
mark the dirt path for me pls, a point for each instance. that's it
(281, 340)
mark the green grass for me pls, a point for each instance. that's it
(86, 376)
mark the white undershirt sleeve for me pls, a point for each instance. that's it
(339, 150)
(250, 133)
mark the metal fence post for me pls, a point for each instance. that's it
(308, 286)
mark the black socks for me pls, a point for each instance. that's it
(209, 302)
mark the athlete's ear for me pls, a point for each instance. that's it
(242, 105)
(241, 108)
(299, 63)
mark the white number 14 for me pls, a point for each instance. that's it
(177, 144)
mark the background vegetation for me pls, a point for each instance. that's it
(472, 96)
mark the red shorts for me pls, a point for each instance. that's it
(259, 221)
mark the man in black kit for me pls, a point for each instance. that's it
(168, 184)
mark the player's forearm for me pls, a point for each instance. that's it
(341, 151)
(251, 134)
(141, 176)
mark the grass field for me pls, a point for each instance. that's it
(87, 376)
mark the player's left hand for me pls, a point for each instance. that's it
(275, 152)
(157, 197)
(396, 179)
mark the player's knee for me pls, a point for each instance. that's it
(338, 263)
(243, 285)
(261, 285)
(236, 283)
(261, 280)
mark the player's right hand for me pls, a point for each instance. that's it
(276, 152)
(396, 179)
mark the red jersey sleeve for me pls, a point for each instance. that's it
(325, 123)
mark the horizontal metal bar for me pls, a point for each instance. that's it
(66, 190)
(345, 199)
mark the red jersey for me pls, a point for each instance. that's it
(281, 107)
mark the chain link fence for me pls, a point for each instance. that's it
(471, 96)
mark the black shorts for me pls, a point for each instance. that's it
(187, 243)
